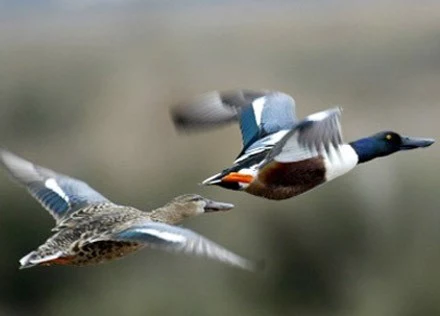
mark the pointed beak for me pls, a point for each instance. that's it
(213, 206)
(415, 142)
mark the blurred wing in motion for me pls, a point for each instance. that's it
(175, 239)
(315, 134)
(59, 194)
(260, 113)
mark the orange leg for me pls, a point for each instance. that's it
(238, 177)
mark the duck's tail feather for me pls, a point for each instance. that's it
(35, 258)
(213, 180)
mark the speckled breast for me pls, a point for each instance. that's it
(102, 251)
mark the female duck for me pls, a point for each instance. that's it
(90, 229)
(282, 156)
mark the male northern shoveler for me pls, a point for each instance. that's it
(90, 229)
(282, 156)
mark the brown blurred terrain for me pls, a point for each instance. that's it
(87, 93)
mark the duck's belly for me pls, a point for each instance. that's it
(279, 192)
(278, 181)
(99, 252)
(283, 180)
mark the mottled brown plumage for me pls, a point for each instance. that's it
(74, 238)
(90, 235)
(91, 229)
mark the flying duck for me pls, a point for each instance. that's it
(90, 229)
(282, 156)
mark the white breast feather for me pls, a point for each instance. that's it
(339, 162)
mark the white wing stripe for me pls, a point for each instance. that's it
(53, 185)
(258, 106)
(171, 237)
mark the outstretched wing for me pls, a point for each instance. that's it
(59, 194)
(313, 135)
(177, 239)
(260, 113)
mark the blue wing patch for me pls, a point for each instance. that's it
(49, 199)
(265, 116)
(250, 131)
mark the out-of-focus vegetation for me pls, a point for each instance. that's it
(86, 92)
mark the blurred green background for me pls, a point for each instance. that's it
(85, 88)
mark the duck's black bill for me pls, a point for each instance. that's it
(415, 142)
(213, 206)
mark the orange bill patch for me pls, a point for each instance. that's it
(238, 177)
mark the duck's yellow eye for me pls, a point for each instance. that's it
(389, 136)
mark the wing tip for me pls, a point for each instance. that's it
(212, 108)
(252, 266)
(8, 158)
(337, 111)
(5, 155)
(324, 115)
(11, 163)
(179, 121)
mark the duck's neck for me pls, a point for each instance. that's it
(171, 213)
(365, 148)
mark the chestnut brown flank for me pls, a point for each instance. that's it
(284, 180)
